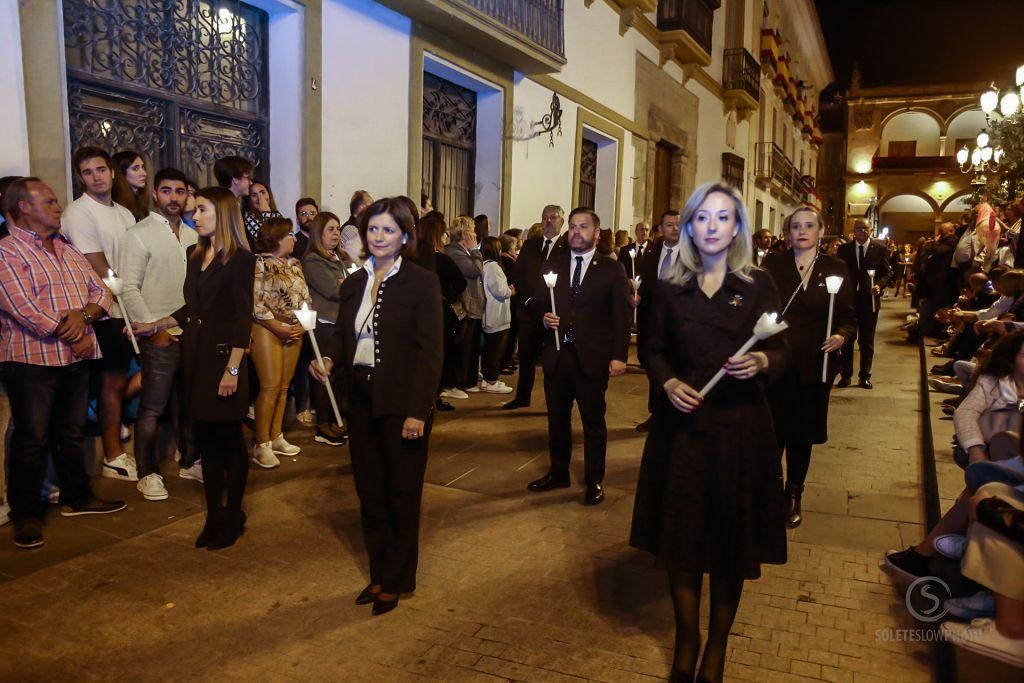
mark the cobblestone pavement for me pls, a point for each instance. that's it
(513, 585)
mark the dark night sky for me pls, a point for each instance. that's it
(917, 42)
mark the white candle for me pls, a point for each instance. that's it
(116, 286)
(871, 277)
(307, 318)
(832, 284)
(353, 269)
(550, 279)
(766, 326)
(636, 289)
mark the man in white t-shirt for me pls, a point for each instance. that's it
(94, 224)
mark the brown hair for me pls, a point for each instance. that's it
(605, 242)
(316, 235)
(399, 211)
(272, 231)
(227, 169)
(430, 229)
(358, 197)
(801, 209)
(230, 231)
(590, 212)
(84, 153)
(136, 201)
(17, 191)
(247, 201)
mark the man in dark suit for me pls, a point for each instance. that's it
(659, 263)
(938, 286)
(533, 261)
(762, 246)
(631, 257)
(592, 301)
(861, 255)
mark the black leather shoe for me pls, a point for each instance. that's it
(594, 494)
(547, 483)
(513, 404)
(645, 425)
(383, 606)
(843, 382)
(865, 384)
(444, 406)
(367, 596)
(794, 515)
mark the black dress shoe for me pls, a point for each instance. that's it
(367, 596)
(383, 606)
(594, 494)
(228, 532)
(865, 384)
(843, 382)
(444, 406)
(513, 404)
(547, 483)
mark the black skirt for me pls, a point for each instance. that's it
(710, 495)
(800, 409)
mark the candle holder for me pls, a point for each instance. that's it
(116, 286)
(307, 318)
(550, 279)
(832, 284)
(766, 326)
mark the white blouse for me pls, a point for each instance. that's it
(367, 315)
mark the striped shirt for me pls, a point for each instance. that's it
(37, 288)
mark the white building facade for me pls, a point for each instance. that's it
(485, 107)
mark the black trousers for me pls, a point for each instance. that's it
(318, 394)
(468, 345)
(566, 385)
(867, 320)
(513, 334)
(494, 351)
(48, 406)
(388, 472)
(225, 466)
(531, 343)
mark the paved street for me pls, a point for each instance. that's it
(513, 585)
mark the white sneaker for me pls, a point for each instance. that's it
(946, 385)
(195, 472)
(454, 392)
(475, 388)
(125, 432)
(950, 545)
(498, 387)
(282, 447)
(982, 637)
(152, 487)
(5, 513)
(122, 467)
(263, 455)
(306, 417)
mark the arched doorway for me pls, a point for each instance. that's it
(908, 217)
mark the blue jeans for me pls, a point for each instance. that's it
(159, 379)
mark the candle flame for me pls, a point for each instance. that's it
(110, 273)
(550, 279)
(833, 283)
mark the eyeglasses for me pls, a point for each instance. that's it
(307, 214)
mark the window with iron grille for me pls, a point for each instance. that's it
(183, 82)
(732, 169)
(588, 174)
(449, 146)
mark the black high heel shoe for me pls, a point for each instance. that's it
(228, 533)
(214, 520)
(383, 606)
(368, 595)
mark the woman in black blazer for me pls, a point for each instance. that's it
(217, 323)
(388, 350)
(799, 399)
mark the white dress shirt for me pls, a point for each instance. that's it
(588, 256)
(673, 259)
(367, 315)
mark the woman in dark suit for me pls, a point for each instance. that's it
(217, 323)
(388, 350)
(800, 398)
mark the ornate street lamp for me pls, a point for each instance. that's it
(984, 158)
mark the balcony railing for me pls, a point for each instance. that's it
(696, 17)
(773, 165)
(741, 71)
(536, 20)
(912, 164)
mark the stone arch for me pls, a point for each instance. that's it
(955, 196)
(913, 108)
(912, 193)
(944, 126)
(921, 126)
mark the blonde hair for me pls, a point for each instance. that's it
(800, 209)
(230, 230)
(460, 226)
(738, 258)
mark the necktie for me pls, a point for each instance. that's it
(547, 246)
(577, 276)
(860, 261)
(665, 264)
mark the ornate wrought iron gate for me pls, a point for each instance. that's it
(588, 174)
(449, 146)
(183, 82)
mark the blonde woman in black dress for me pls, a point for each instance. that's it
(710, 496)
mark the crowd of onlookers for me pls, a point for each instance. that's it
(970, 299)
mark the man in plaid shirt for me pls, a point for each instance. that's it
(49, 297)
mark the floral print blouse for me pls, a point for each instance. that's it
(279, 288)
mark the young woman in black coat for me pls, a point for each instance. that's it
(387, 348)
(800, 398)
(216, 323)
(709, 498)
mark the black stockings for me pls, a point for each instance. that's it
(798, 461)
(725, 599)
(225, 466)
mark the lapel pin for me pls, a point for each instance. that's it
(736, 301)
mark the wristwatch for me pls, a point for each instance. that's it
(86, 317)
(233, 371)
